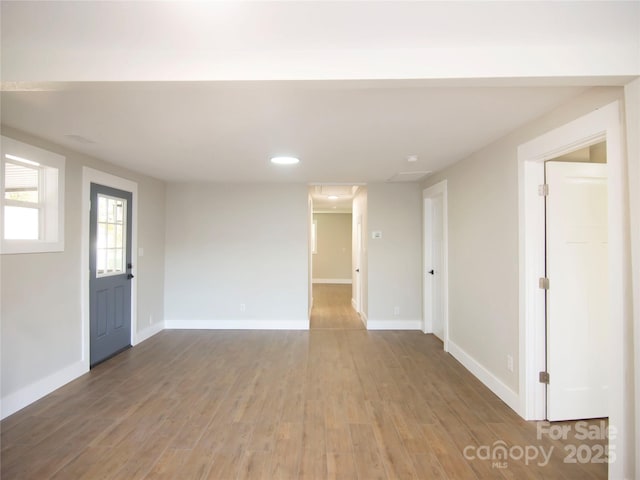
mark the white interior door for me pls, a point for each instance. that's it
(578, 298)
(357, 273)
(435, 253)
(437, 263)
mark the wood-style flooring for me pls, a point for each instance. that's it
(332, 308)
(332, 402)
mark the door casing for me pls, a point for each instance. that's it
(89, 176)
(357, 275)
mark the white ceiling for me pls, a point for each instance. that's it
(343, 132)
(208, 91)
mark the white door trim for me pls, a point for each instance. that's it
(357, 276)
(427, 194)
(599, 125)
(89, 176)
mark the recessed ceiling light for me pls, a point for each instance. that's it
(285, 160)
(332, 197)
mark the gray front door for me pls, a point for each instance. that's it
(110, 272)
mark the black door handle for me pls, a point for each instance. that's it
(129, 276)
(357, 270)
(431, 272)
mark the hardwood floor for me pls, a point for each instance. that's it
(332, 308)
(327, 403)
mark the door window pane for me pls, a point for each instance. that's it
(111, 248)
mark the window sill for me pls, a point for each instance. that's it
(15, 247)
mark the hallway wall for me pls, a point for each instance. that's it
(332, 260)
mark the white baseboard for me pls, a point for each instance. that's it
(149, 332)
(237, 324)
(363, 317)
(354, 304)
(394, 324)
(341, 281)
(18, 400)
(506, 394)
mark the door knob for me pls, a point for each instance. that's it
(431, 271)
(129, 276)
(357, 270)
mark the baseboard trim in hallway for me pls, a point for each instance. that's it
(15, 401)
(394, 324)
(493, 383)
(334, 281)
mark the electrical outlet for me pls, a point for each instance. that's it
(243, 307)
(510, 363)
(396, 311)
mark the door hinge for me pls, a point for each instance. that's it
(543, 190)
(544, 377)
(543, 283)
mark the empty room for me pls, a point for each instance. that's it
(309, 240)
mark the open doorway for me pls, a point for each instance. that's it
(336, 257)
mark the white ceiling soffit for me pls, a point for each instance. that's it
(337, 190)
(230, 40)
(409, 176)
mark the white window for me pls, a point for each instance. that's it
(32, 199)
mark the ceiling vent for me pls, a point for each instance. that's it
(408, 176)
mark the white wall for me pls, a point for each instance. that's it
(483, 242)
(395, 260)
(41, 293)
(228, 245)
(332, 261)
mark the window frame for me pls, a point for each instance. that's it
(51, 193)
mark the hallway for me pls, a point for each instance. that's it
(332, 308)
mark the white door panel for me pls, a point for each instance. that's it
(577, 299)
(435, 262)
(437, 265)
